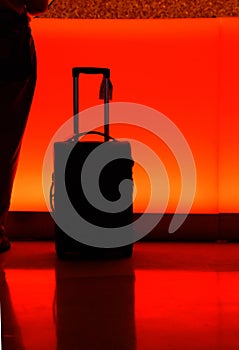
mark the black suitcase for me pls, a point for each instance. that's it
(70, 196)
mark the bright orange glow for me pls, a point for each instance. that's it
(185, 68)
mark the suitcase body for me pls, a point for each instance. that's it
(69, 175)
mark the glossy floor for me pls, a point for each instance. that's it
(167, 296)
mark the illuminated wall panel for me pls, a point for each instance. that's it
(173, 66)
(229, 117)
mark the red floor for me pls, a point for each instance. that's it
(175, 296)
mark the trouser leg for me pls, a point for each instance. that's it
(15, 103)
(10, 145)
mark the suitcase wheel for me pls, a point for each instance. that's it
(60, 249)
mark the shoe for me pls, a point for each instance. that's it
(4, 241)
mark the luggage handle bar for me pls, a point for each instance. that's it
(91, 70)
(76, 71)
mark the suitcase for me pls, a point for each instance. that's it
(70, 157)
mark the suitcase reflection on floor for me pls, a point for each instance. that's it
(94, 306)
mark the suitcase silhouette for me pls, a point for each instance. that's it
(68, 175)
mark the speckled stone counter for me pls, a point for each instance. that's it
(142, 8)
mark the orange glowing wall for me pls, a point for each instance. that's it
(185, 68)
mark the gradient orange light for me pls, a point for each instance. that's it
(185, 68)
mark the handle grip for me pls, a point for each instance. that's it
(91, 70)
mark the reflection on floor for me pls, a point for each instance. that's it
(173, 296)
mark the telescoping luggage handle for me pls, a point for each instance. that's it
(105, 90)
